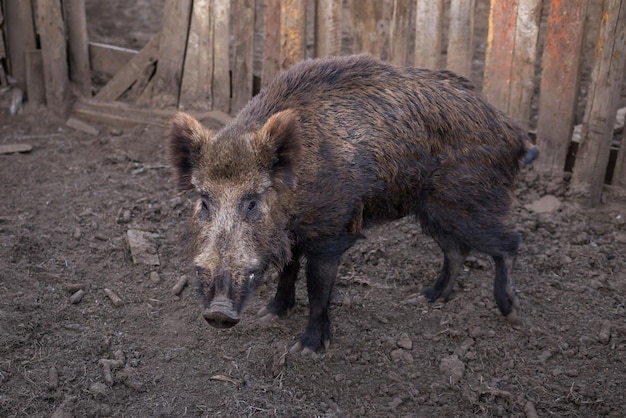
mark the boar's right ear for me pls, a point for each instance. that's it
(185, 139)
(278, 146)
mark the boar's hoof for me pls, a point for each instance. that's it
(307, 351)
(220, 314)
(264, 315)
(431, 294)
(514, 318)
(304, 351)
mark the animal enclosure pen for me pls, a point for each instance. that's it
(210, 54)
(207, 59)
(91, 325)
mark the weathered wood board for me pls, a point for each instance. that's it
(370, 27)
(461, 37)
(243, 53)
(428, 33)
(121, 115)
(398, 32)
(109, 59)
(560, 79)
(35, 88)
(292, 32)
(20, 36)
(196, 90)
(78, 41)
(328, 28)
(221, 55)
(271, 43)
(54, 54)
(167, 80)
(130, 72)
(602, 102)
(511, 55)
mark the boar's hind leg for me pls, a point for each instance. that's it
(453, 258)
(320, 278)
(502, 243)
(503, 288)
(285, 297)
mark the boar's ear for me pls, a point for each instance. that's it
(185, 139)
(278, 145)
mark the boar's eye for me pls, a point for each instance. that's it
(252, 211)
(205, 208)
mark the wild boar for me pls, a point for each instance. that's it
(326, 149)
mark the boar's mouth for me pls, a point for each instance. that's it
(223, 302)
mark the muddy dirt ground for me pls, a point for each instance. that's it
(67, 348)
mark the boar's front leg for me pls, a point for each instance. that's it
(321, 272)
(454, 255)
(285, 297)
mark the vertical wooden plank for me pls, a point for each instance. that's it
(243, 53)
(524, 58)
(370, 26)
(428, 33)
(619, 174)
(259, 36)
(196, 89)
(221, 55)
(328, 28)
(499, 54)
(309, 29)
(292, 32)
(560, 78)
(398, 32)
(20, 36)
(461, 37)
(54, 55)
(511, 55)
(80, 71)
(166, 81)
(3, 76)
(271, 43)
(35, 88)
(602, 102)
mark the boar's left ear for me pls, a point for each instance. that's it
(278, 146)
(185, 139)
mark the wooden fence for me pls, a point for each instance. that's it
(211, 56)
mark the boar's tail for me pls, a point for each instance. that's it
(532, 152)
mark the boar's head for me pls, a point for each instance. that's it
(243, 176)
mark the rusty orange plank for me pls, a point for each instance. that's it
(499, 55)
(560, 80)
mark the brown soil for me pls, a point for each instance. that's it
(66, 207)
(64, 213)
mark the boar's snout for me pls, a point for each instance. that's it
(220, 314)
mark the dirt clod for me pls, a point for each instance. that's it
(142, 246)
(452, 368)
(404, 341)
(180, 285)
(98, 390)
(605, 332)
(77, 296)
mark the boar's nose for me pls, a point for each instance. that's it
(222, 283)
(220, 313)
